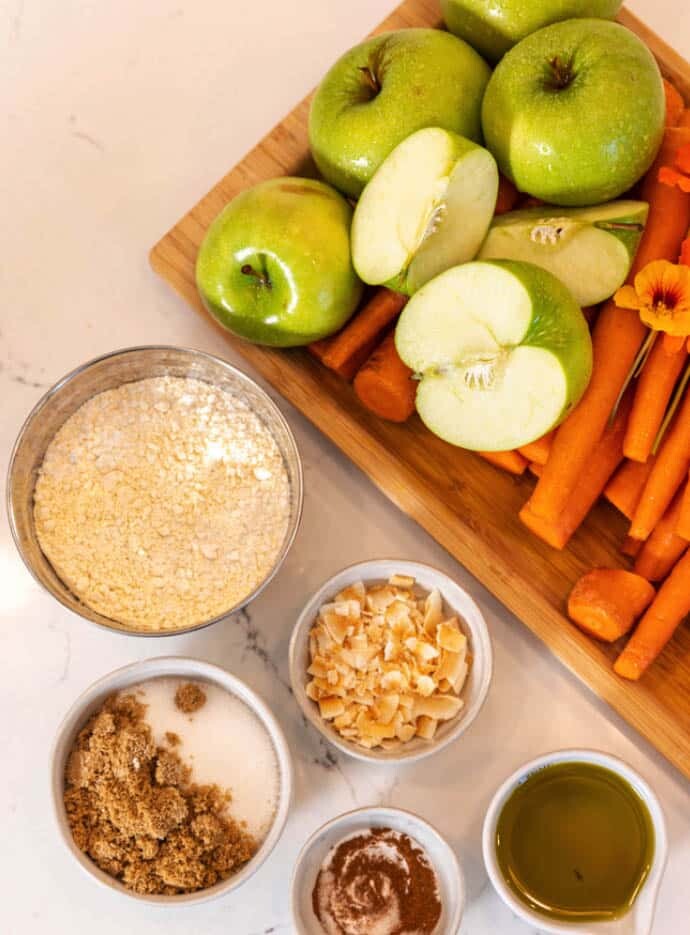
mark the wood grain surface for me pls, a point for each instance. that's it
(468, 506)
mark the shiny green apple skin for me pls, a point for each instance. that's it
(294, 236)
(492, 27)
(384, 89)
(574, 114)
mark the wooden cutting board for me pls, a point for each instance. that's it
(465, 504)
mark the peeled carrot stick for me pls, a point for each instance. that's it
(683, 525)
(606, 602)
(669, 471)
(536, 469)
(668, 610)
(617, 338)
(663, 548)
(538, 450)
(631, 547)
(625, 487)
(511, 461)
(385, 385)
(507, 196)
(675, 105)
(607, 455)
(652, 396)
(347, 351)
(684, 119)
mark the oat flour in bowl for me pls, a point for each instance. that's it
(162, 503)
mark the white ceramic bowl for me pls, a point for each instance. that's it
(455, 599)
(130, 675)
(441, 855)
(636, 922)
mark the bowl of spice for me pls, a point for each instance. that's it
(171, 781)
(154, 490)
(382, 870)
(390, 660)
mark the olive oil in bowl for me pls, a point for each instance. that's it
(575, 843)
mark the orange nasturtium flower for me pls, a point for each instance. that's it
(679, 173)
(685, 252)
(661, 294)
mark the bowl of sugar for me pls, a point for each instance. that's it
(155, 490)
(171, 781)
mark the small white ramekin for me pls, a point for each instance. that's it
(171, 666)
(442, 856)
(639, 920)
(455, 598)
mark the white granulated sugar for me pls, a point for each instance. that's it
(162, 503)
(224, 743)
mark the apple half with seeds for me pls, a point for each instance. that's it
(589, 249)
(428, 207)
(502, 352)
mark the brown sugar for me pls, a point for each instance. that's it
(189, 698)
(172, 739)
(133, 810)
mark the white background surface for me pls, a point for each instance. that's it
(114, 119)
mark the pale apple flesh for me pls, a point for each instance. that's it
(589, 249)
(501, 350)
(427, 208)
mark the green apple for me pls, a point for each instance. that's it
(589, 249)
(494, 26)
(574, 114)
(386, 88)
(501, 350)
(427, 208)
(275, 265)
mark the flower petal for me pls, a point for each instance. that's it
(668, 176)
(685, 252)
(626, 297)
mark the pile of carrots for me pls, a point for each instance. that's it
(606, 447)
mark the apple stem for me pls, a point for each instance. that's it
(561, 74)
(261, 278)
(370, 78)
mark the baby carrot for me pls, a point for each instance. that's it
(664, 547)
(617, 338)
(607, 455)
(683, 526)
(652, 396)
(384, 384)
(625, 487)
(511, 461)
(668, 473)
(606, 602)
(346, 351)
(538, 450)
(675, 104)
(507, 196)
(668, 610)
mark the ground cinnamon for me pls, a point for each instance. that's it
(380, 880)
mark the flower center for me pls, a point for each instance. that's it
(665, 300)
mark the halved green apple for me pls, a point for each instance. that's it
(502, 352)
(427, 208)
(589, 249)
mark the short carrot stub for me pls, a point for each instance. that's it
(385, 385)
(510, 461)
(606, 602)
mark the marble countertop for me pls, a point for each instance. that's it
(116, 117)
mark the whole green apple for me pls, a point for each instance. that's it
(494, 26)
(383, 90)
(574, 114)
(275, 266)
